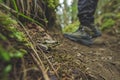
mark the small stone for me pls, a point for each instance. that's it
(78, 55)
(75, 48)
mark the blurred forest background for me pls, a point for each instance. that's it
(17, 18)
(107, 14)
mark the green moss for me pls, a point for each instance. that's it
(4, 55)
(9, 26)
(12, 41)
(2, 37)
(52, 3)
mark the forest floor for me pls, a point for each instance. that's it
(73, 61)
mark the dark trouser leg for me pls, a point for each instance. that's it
(86, 10)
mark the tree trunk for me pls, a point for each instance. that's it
(52, 26)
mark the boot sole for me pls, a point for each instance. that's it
(79, 40)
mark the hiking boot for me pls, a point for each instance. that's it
(81, 35)
(84, 34)
(95, 31)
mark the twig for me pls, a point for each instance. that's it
(49, 62)
(36, 56)
(24, 70)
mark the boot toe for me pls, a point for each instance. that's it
(98, 34)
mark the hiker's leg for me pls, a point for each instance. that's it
(87, 31)
(86, 10)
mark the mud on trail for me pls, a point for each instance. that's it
(73, 61)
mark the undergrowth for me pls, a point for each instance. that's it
(12, 43)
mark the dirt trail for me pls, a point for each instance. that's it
(100, 61)
(74, 61)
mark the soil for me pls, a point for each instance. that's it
(100, 61)
(74, 61)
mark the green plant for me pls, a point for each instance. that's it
(71, 28)
(108, 23)
(9, 37)
(52, 3)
